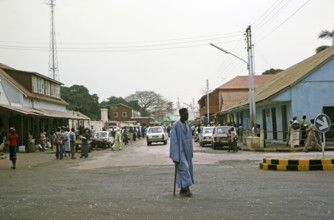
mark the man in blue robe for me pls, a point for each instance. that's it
(181, 152)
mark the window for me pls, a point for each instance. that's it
(40, 86)
(124, 114)
(116, 114)
(57, 91)
(47, 88)
(34, 84)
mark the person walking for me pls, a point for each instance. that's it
(84, 143)
(12, 137)
(59, 137)
(67, 141)
(234, 140)
(181, 152)
(72, 143)
(313, 138)
(303, 127)
(294, 133)
(118, 140)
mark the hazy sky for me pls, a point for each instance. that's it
(118, 47)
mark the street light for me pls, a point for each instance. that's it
(252, 113)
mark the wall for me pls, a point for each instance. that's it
(120, 109)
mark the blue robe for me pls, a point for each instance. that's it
(181, 150)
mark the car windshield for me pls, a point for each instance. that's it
(222, 130)
(208, 131)
(155, 130)
(101, 134)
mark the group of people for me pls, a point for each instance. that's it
(303, 134)
(64, 140)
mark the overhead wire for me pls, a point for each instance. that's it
(284, 21)
(145, 45)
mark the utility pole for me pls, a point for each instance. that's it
(53, 61)
(207, 101)
(250, 50)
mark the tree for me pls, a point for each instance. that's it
(271, 71)
(150, 102)
(324, 35)
(79, 99)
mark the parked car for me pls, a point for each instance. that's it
(156, 134)
(102, 139)
(205, 136)
(219, 136)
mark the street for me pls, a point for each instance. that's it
(137, 183)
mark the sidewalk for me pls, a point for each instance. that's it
(28, 160)
(277, 147)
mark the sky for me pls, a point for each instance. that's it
(119, 47)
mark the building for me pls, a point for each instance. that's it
(226, 95)
(32, 103)
(306, 88)
(120, 113)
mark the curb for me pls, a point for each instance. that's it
(273, 149)
(287, 149)
(297, 164)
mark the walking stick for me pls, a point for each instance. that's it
(175, 179)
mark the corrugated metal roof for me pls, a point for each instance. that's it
(287, 78)
(46, 113)
(242, 82)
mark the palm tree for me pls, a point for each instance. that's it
(325, 34)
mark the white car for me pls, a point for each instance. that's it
(103, 139)
(156, 134)
(205, 136)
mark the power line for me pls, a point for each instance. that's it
(113, 49)
(283, 22)
(199, 38)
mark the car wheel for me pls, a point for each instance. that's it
(214, 146)
(201, 144)
(165, 142)
(148, 143)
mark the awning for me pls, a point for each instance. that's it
(46, 113)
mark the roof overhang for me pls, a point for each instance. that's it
(44, 112)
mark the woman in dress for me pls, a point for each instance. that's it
(84, 143)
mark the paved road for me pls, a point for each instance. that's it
(136, 183)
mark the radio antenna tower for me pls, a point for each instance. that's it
(53, 60)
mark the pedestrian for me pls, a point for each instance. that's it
(92, 131)
(124, 133)
(42, 139)
(229, 140)
(118, 140)
(294, 133)
(313, 138)
(5, 141)
(59, 137)
(303, 127)
(67, 141)
(143, 131)
(181, 152)
(241, 131)
(234, 139)
(84, 143)
(134, 134)
(130, 134)
(12, 137)
(72, 143)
